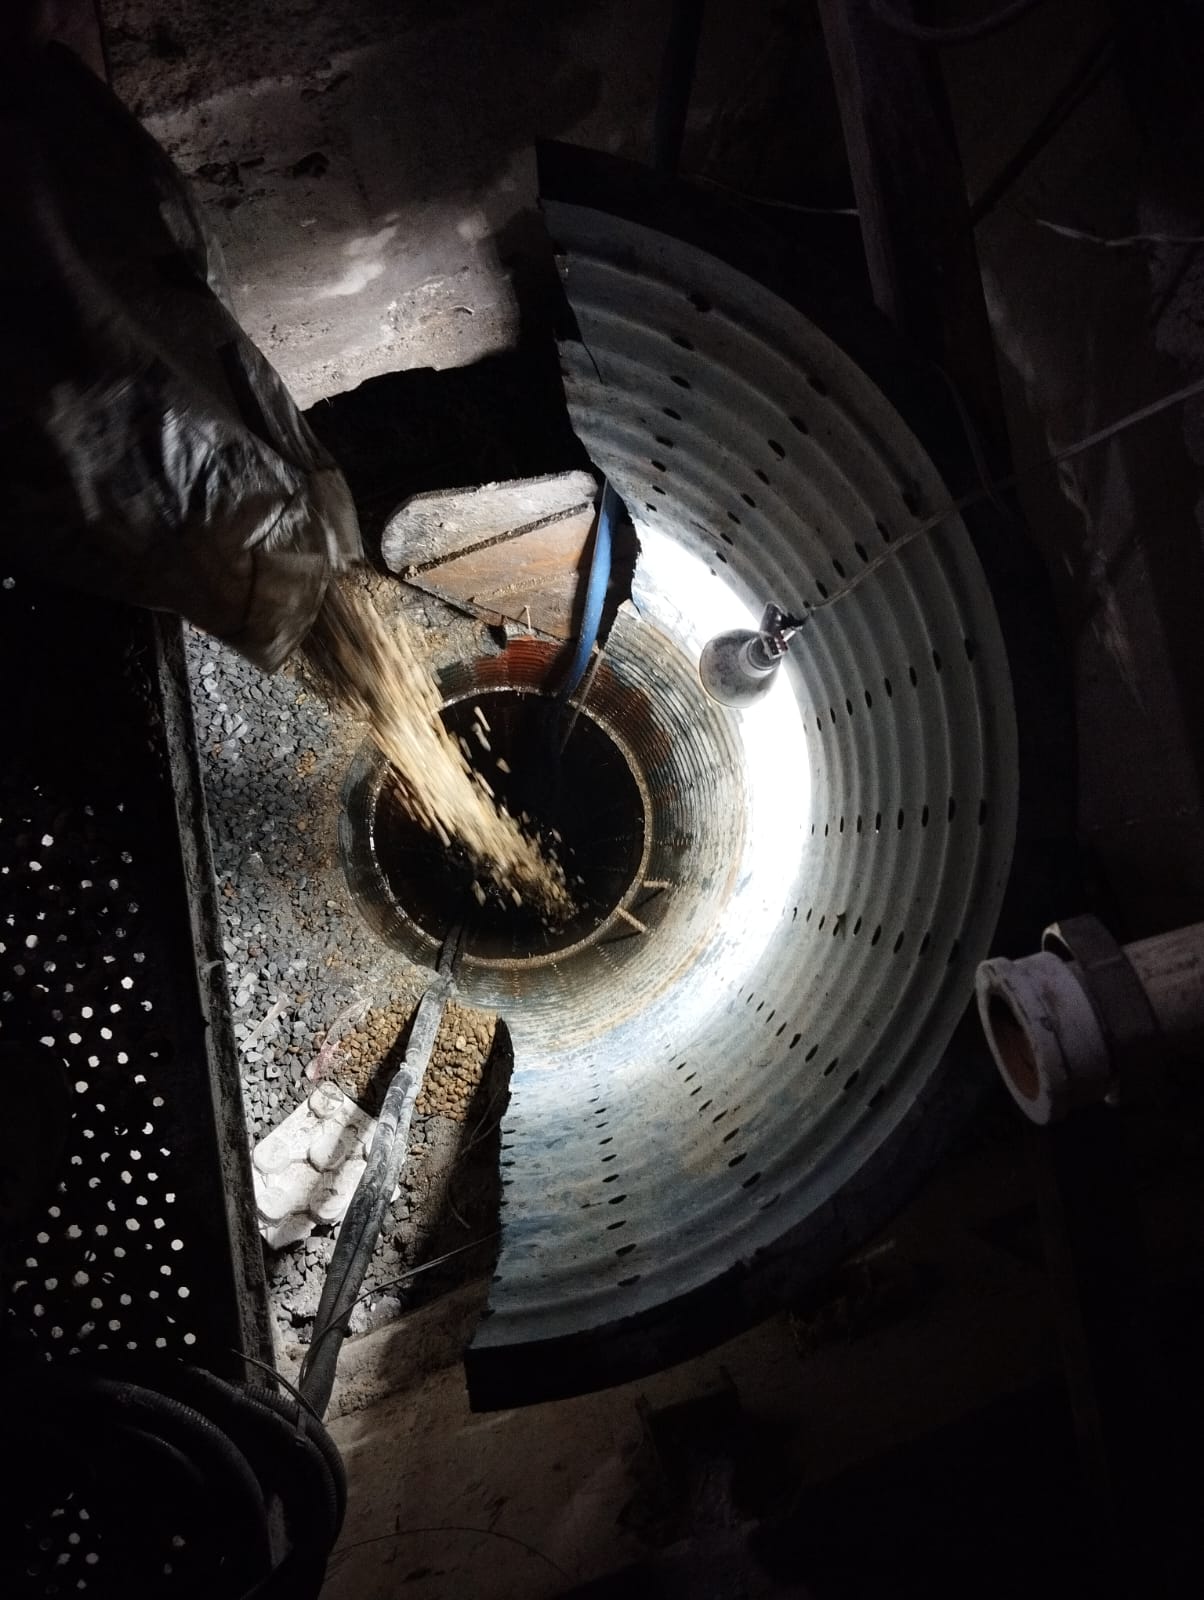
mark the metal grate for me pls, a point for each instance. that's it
(146, 1247)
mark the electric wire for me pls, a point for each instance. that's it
(1009, 481)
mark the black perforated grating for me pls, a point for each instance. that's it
(141, 1242)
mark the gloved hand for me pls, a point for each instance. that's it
(148, 451)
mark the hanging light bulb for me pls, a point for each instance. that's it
(737, 668)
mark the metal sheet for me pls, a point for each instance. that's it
(688, 1165)
(109, 955)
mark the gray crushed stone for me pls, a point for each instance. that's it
(298, 954)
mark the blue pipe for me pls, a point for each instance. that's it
(595, 596)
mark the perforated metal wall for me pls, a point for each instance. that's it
(143, 1246)
(717, 1135)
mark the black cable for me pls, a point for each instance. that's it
(300, 1464)
(301, 1479)
(95, 1410)
(360, 1230)
(295, 1459)
(192, 1455)
(311, 1428)
(356, 1242)
(954, 33)
(175, 1500)
(287, 1463)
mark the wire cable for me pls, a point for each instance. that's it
(1009, 481)
(168, 1462)
(360, 1229)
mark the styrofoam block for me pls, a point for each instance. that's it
(306, 1170)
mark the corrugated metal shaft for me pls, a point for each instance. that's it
(699, 1112)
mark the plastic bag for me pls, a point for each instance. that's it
(148, 451)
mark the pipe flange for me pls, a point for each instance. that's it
(1044, 1035)
(1115, 991)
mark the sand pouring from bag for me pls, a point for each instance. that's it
(377, 674)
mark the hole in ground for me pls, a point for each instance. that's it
(593, 804)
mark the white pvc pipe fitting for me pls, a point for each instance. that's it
(1044, 1035)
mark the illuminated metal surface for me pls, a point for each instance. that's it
(681, 1139)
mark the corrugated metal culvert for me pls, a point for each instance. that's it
(706, 1113)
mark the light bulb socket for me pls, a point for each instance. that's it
(738, 667)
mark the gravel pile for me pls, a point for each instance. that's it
(462, 1046)
(314, 992)
(361, 1057)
